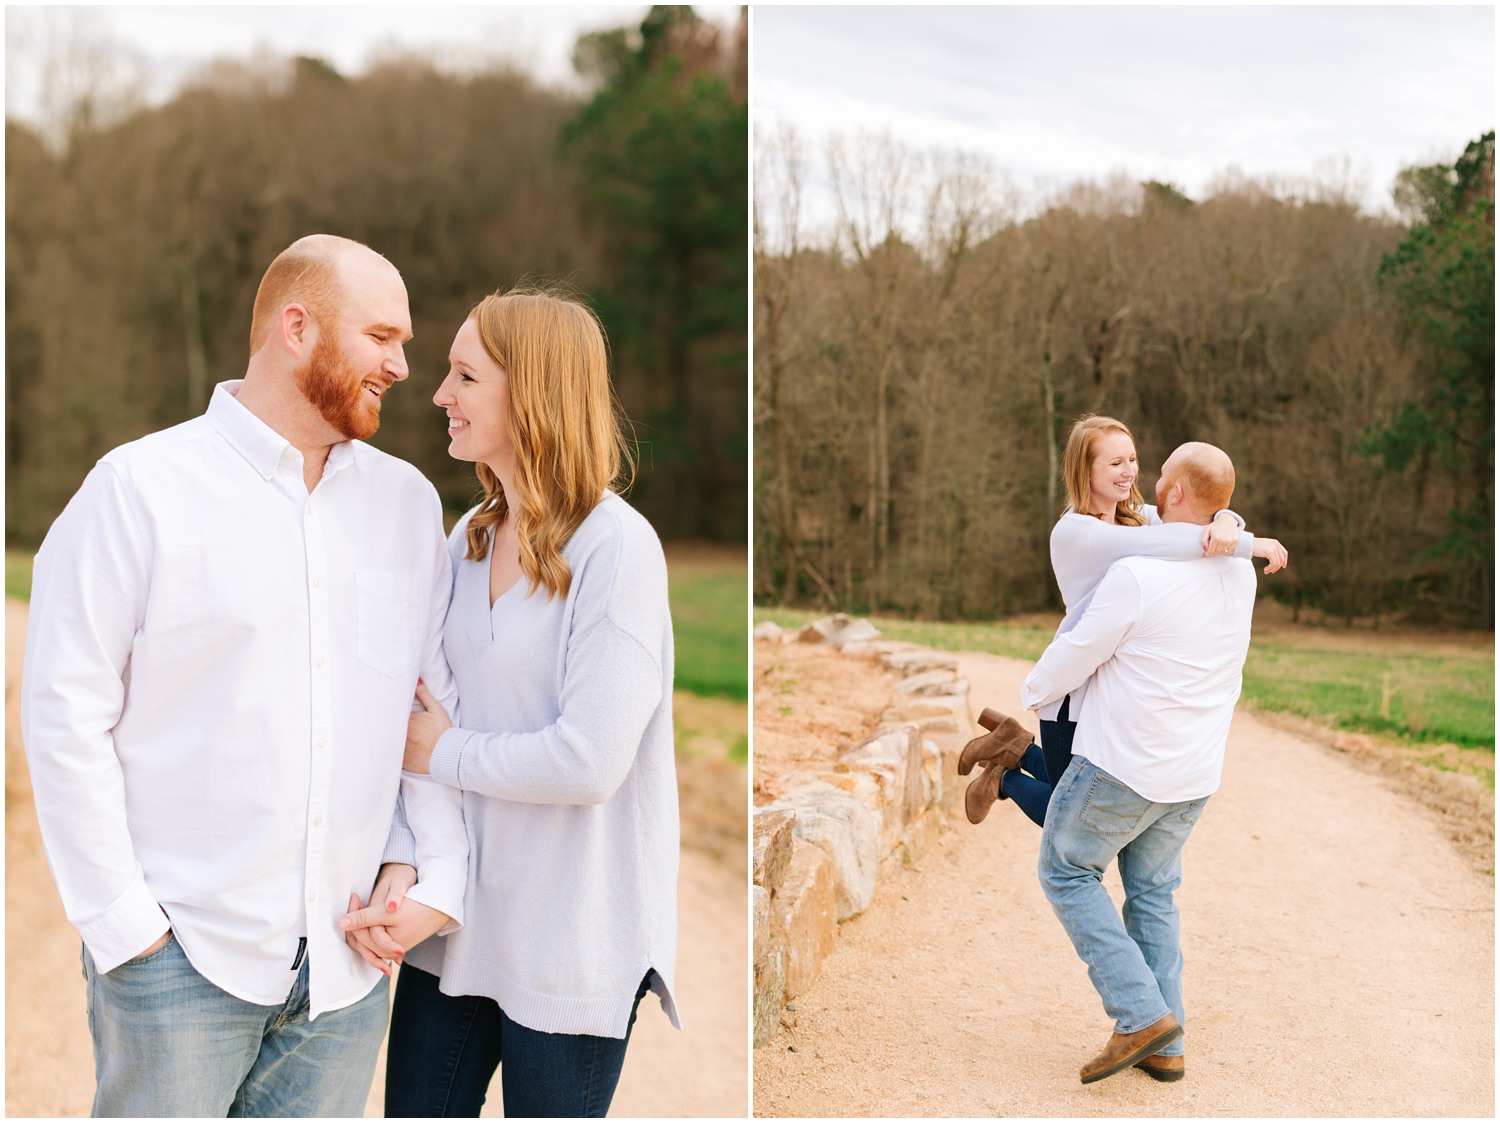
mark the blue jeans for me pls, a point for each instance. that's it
(444, 1050)
(167, 1042)
(1045, 766)
(1134, 959)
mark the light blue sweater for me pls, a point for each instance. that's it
(563, 750)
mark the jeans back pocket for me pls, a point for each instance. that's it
(1111, 808)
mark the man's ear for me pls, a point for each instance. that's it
(298, 330)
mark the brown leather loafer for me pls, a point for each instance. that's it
(1163, 1068)
(1124, 1049)
(1004, 744)
(983, 792)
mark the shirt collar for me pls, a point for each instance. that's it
(256, 441)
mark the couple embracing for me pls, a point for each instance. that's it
(249, 817)
(1135, 695)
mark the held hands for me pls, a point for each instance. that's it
(1273, 551)
(391, 924)
(423, 730)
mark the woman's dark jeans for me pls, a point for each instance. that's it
(1045, 765)
(444, 1050)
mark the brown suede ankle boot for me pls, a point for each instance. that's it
(1005, 743)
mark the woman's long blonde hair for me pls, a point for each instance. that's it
(1078, 464)
(565, 426)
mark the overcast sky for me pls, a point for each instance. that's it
(1052, 95)
(169, 42)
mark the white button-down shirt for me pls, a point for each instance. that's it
(219, 670)
(1162, 646)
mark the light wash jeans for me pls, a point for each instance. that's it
(167, 1042)
(1134, 960)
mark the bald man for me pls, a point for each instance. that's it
(227, 626)
(1164, 644)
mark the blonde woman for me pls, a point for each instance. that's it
(1105, 520)
(560, 642)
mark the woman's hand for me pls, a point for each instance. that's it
(374, 942)
(1223, 536)
(1273, 551)
(423, 730)
(410, 924)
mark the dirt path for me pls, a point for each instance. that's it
(699, 1072)
(1340, 962)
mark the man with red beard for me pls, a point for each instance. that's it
(227, 627)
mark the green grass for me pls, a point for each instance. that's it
(18, 574)
(708, 624)
(1414, 697)
(1414, 691)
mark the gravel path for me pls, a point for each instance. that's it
(1340, 962)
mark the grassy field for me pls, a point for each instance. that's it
(708, 589)
(1406, 688)
(18, 574)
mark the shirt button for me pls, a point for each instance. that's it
(320, 660)
(318, 821)
(317, 582)
(322, 742)
(313, 896)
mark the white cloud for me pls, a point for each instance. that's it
(1052, 94)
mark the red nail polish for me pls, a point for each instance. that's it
(390, 906)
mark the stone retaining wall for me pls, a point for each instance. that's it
(832, 833)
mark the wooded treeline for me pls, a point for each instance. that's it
(134, 248)
(919, 363)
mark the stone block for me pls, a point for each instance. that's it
(771, 847)
(760, 914)
(919, 836)
(896, 753)
(806, 910)
(845, 829)
(767, 630)
(818, 631)
(769, 969)
(940, 751)
(856, 631)
(911, 661)
(925, 682)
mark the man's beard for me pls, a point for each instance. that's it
(337, 392)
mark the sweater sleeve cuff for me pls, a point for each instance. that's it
(128, 927)
(400, 846)
(447, 755)
(1245, 548)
